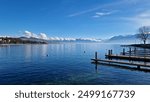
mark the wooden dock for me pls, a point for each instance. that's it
(138, 65)
(125, 57)
(142, 65)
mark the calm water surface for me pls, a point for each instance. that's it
(65, 64)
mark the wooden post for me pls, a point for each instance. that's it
(130, 54)
(130, 51)
(111, 51)
(138, 66)
(124, 51)
(135, 51)
(96, 57)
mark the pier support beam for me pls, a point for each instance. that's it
(130, 50)
(139, 67)
(96, 57)
(110, 52)
(124, 52)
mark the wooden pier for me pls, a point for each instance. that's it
(133, 58)
(131, 55)
(138, 65)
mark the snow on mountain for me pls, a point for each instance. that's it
(123, 39)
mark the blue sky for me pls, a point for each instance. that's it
(73, 18)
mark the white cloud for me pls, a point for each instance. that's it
(111, 5)
(62, 39)
(145, 14)
(103, 13)
(73, 39)
(100, 14)
(89, 39)
(141, 19)
(35, 36)
(43, 36)
(29, 34)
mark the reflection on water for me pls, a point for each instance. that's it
(28, 51)
(66, 63)
(40, 50)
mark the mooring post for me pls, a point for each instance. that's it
(123, 51)
(96, 57)
(135, 51)
(138, 66)
(111, 51)
(130, 51)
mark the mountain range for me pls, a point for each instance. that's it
(126, 39)
(123, 39)
(129, 39)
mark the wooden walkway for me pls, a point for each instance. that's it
(134, 58)
(138, 65)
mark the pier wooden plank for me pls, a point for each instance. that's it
(136, 58)
(122, 62)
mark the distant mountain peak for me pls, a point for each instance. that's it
(123, 39)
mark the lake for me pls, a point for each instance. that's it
(63, 64)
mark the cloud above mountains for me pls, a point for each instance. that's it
(44, 36)
(29, 34)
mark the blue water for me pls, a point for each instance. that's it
(63, 64)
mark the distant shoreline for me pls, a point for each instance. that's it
(9, 40)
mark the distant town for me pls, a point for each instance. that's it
(10, 40)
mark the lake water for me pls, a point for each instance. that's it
(63, 64)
